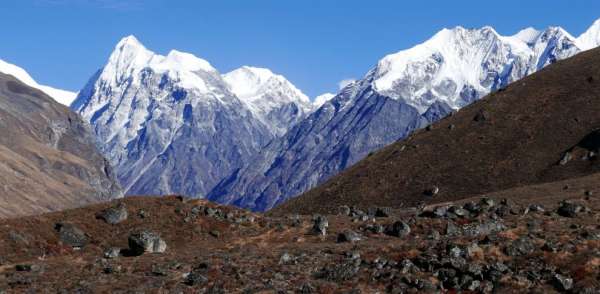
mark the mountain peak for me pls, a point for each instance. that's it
(527, 35)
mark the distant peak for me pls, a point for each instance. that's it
(527, 35)
(129, 41)
(321, 99)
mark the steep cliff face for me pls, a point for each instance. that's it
(169, 124)
(48, 159)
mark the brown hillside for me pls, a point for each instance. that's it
(510, 138)
(48, 160)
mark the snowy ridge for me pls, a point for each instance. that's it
(405, 91)
(591, 38)
(455, 63)
(61, 96)
(321, 99)
(266, 94)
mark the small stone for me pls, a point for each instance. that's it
(382, 212)
(451, 127)
(432, 191)
(114, 215)
(348, 236)
(143, 214)
(286, 258)
(519, 247)
(562, 283)
(27, 267)
(71, 235)
(112, 252)
(565, 158)
(320, 225)
(215, 233)
(344, 210)
(589, 193)
(569, 209)
(398, 229)
(146, 242)
(482, 115)
(197, 276)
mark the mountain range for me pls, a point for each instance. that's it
(173, 124)
(405, 91)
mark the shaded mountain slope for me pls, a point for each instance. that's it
(48, 160)
(513, 137)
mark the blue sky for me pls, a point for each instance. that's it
(314, 43)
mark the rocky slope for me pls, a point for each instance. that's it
(542, 128)
(48, 160)
(405, 91)
(480, 245)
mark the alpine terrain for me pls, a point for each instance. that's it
(405, 91)
(48, 160)
(173, 124)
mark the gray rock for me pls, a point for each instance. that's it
(112, 252)
(519, 247)
(197, 276)
(562, 283)
(344, 210)
(71, 235)
(398, 229)
(569, 209)
(146, 242)
(348, 236)
(566, 157)
(114, 215)
(320, 225)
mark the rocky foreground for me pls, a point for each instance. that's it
(172, 244)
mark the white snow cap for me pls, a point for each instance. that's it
(61, 96)
(131, 56)
(321, 99)
(528, 35)
(591, 38)
(248, 83)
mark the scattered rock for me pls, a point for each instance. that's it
(197, 276)
(521, 246)
(569, 209)
(146, 242)
(112, 252)
(562, 283)
(71, 235)
(320, 225)
(348, 236)
(481, 116)
(398, 229)
(432, 191)
(344, 210)
(114, 215)
(566, 157)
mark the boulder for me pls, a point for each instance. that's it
(71, 235)
(114, 215)
(146, 242)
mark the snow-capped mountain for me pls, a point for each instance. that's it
(61, 96)
(169, 124)
(404, 91)
(270, 97)
(321, 99)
